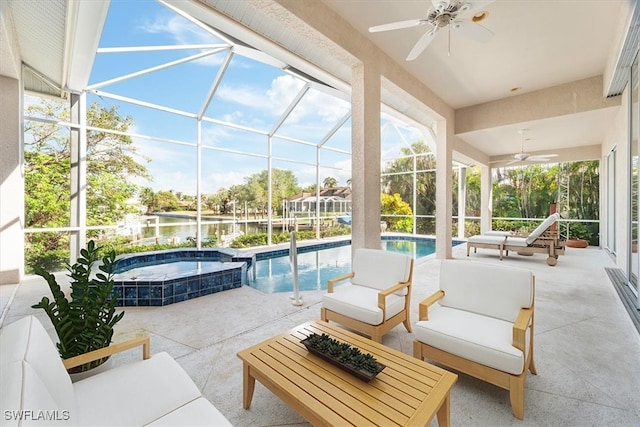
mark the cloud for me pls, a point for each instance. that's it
(183, 32)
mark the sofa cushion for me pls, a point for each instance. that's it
(361, 303)
(492, 290)
(482, 339)
(32, 374)
(199, 412)
(134, 394)
(380, 269)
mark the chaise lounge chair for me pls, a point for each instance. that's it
(535, 242)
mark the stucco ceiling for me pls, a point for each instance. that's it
(537, 44)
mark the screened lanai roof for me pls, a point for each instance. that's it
(76, 59)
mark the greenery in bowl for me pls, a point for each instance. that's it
(344, 355)
(84, 322)
(578, 231)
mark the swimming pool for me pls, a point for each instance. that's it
(273, 274)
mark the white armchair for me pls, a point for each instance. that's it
(480, 322)
(377, 297)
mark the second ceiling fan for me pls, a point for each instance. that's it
(522, 156)
(444, 13)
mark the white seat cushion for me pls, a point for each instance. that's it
(487, 239)
(200, 412)
(482, 339)
(542, 227)
(134, 394)
(361, 303)
(517, 241)
(496, 233)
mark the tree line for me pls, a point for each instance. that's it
(113, 161)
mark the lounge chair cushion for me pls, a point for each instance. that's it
(361, 303)
(380, 269)
(535, 234)
(496, 233)
(486, 239)
(482, 339)
(500, 292)
(517, 241)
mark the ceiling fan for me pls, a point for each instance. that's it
(444, 13)
(522, 156)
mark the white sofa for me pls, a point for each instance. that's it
(35, 388)
(481, 322)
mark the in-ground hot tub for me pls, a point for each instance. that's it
(166, 277)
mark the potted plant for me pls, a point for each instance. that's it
(84, 322)
(578, 236)
(343, 355)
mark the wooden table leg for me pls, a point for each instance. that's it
(444, 412)
(248, 385)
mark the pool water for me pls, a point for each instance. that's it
(316, 267)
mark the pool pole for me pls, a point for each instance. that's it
(293, 260)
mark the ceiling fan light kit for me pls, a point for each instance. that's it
(445, 13)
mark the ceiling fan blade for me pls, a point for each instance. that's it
(422, 44)
(397, 25)
(472, 30)
(542, 157)
(474, 5)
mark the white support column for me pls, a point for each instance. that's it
(11, 183)
(444, 184)
(365, 157)
(199, 185)
(269, 192)
(462, 199)
(78, 219)
(486, 199)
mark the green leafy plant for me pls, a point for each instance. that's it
(344, 353)
(579, 231)
(85, 321)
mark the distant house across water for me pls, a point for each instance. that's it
(333, 200)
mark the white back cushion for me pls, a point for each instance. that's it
(32, 374)
(542, 228)
(487, 289)
(379, 269)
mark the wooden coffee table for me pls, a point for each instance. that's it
(408, 392)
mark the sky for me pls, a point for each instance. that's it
(251, 94)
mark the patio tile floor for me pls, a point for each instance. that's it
(586, 347)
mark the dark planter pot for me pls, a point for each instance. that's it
(359, 373)
(577, 243)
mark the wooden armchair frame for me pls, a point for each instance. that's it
(81, 359)
(507, 381)
(374, 331)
